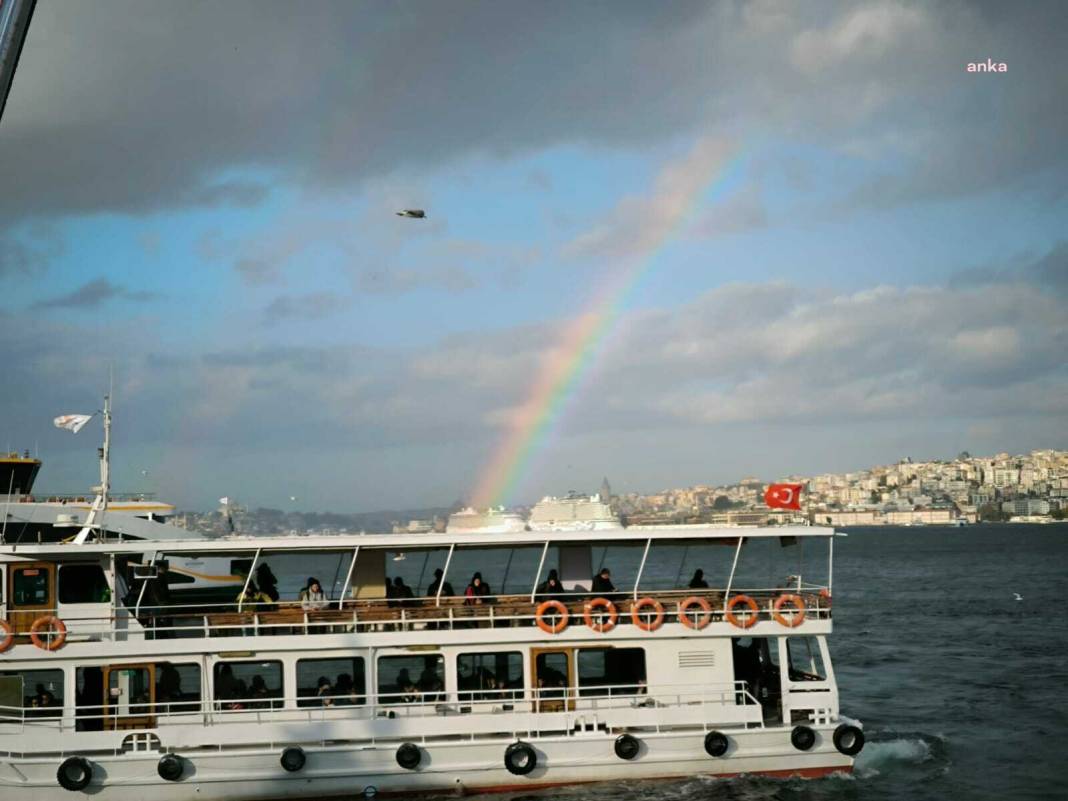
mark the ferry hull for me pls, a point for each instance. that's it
(445, 767)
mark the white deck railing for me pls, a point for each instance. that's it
(255, 619)
(658, 703)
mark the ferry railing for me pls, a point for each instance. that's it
(223, 619)
(143, 714)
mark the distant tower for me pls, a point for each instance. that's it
(606, 491)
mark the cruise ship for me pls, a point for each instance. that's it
(573, 512)
(473, 521)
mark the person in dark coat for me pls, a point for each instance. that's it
(439, 583)
(698, 581)
(402, 592)
(267, 582)
(602, 583)
(551, 589)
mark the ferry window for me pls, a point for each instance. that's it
(331, 682)
(411, 679)
(490, 676)
(30, 586)
(177, 687)
(42, 691)
(248, 685)
(83, 584)
(10, 698)
(129, 691)
(611, 671)
(806, 663)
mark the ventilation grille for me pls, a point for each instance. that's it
(696, 659)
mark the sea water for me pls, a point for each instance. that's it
(962, 690)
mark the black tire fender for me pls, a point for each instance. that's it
(520, 758)
(848, 739)
(716, 743)
(802, 738)
(293, 759)
(170, 767)
(627, 746)
(74, 773)
(409, 756)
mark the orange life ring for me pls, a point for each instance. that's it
(701, 621)
(53, 643)
(754, 609)
(798, 615)
(590, 609)
(560, 612)
(8, 636)
(636, 614)
(825, 594)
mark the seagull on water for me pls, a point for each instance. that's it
(1017, 597)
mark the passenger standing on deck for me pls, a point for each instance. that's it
(268, 583)
(602, 583)
(402, 591)
(698, 581)
(440, 583)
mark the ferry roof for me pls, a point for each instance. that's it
(410, 542)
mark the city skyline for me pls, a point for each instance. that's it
(724, 239)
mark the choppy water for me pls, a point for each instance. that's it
(962, 690)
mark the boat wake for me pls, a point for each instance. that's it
(901, 750)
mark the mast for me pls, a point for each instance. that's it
(95, 520)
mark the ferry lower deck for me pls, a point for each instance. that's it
(364, 692)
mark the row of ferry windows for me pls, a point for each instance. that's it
(77, 584)
(243, 684)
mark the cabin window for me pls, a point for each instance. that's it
(806, 662)
(30, 587)
(492, 676)
(411, 679)
(248, 685)
(611, 671)
(178, 687)
(40, 691)
(83, 584)
(331, 682)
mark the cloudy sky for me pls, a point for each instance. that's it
(845, 248)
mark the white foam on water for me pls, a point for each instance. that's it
(876, 755)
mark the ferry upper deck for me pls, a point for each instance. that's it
(128, 591)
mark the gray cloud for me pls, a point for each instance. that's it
(28, 252)
(1048, 272)
(312, 306)
(257, 271)
(358, 90)
(399, 280)
(93, 294)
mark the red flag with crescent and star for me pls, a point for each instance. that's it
(783, 496)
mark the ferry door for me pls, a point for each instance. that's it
(129, 697)
(31, 593)
(552, 678)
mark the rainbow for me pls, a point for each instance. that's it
(680, 188)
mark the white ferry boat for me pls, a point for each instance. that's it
(115, 682)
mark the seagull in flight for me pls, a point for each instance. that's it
(1017, 597)
(415, 214)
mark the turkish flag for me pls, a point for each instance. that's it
(783, 496)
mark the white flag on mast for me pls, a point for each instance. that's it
(72, 422)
